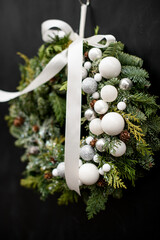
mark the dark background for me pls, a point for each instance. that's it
(23, 216)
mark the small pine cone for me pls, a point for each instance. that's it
(101, 182)
(92, 103)
(52, 160)
(93, 142)
(18, 121)
(125, 136)
(35, 128)
(48, 175)
(86, 54)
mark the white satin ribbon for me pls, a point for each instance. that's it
(72, 56)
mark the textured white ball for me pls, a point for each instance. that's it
(87, 65)
(97, 77)
(88, 174)
(84, 73)
(87, 152)
(101, 172)
(101, 107)
(109, 67)
(61, 169)
(95, 126)
(89, 85)
(100, 144)
(55, 172)
(96, 158)
(109, 93)
(112, 123)
(95, 95)
(106, 167)
(89, 114)
(121, 106)
(94, 53)
(119, 149)
(89, 139)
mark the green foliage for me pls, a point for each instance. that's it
(67, 197)
(113, 178)
(113, 49)
(129, 60)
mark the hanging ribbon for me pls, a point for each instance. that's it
(73, 57)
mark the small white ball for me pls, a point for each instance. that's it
(88, 174)
(61, 169)
(95, 126)
(87, 65)
(101, 107)
(87, 152)
(89, 85)
(109, 67)
(55, 172)
(101, 172)
(109, 93)
(94, 53)
(112, 123)
(106, 167)
(121, 106)
(100, 145)
(80, 183)
(97, 77)
(89, 139)
(96, 158)
(84, 73)
(80, 162)
(119, 149)
(95, 95)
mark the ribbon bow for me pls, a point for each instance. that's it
(73, 57)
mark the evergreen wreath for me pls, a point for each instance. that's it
(37, 121)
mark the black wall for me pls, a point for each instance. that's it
(23, 216)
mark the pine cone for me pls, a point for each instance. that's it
(52, 160)
(93, 142)
(48, 175)
(125, 136)
(92, 103)
(35, 128)
(101, 182)
(18, 121)
(86, 54)
(101, 116)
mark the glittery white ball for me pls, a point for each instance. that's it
(89, 85)
(80, 162)
(106, 167)
(89, 114)
(61, 169)
(87, 152)
(109, 67)
(84, 73)
(87, 65)
(121, 106)
(95, 95)
(97, 77)
(101, 107)
(125, 84)
(88, 174)
(100, 144)
(119, 149)
(112, 123)
(89, 139)
(94, 53)
(96, 158)
(95, 126)
(55, 172)
(101, 172)
(109, 93)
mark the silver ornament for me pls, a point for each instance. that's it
(33, 150)
(89, 114)
(100, 145)
(125, 84)
(87, 152)
(89, 85)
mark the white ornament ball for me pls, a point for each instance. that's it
(84, 73)
(89, 85)
(97, 77)
(125, 84)
(80, 183)
(89, 139)
(87, 152)
(106, 167)
(61, 169)
(101, 172)
(89, 114)
(112, 123)
(88, 174)
(87, 65)
(121, 106)
(94, 53)
(95, 126)
(101, 107)
(55, 172)
(96, 158)
(80, 162)
(100, 144)
(119, 149)
(109, 67)
(109, 93)
(95, 95)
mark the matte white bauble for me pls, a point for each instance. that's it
(88, 174)
(101, 107)
(94, 53)
(112, 123)
(87, 65)
(106, 167)
(97, 77)
(84, 73)
(95, 95)
(89, 85)
(87, 152)
(61, 169)
(80, 162)
(119, 149)
(89, 139)
(121, 106)
(101, 172)
(96, 158)
(55, 172)
(95, 126)
(89, 114)
(109, 93)
(109, 67)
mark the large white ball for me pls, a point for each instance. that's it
(95, 126)
(101, 107)
(112, 123)
(109, 93)
(88, 174)
(119, 149)
(94, 53)
(109, 67)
